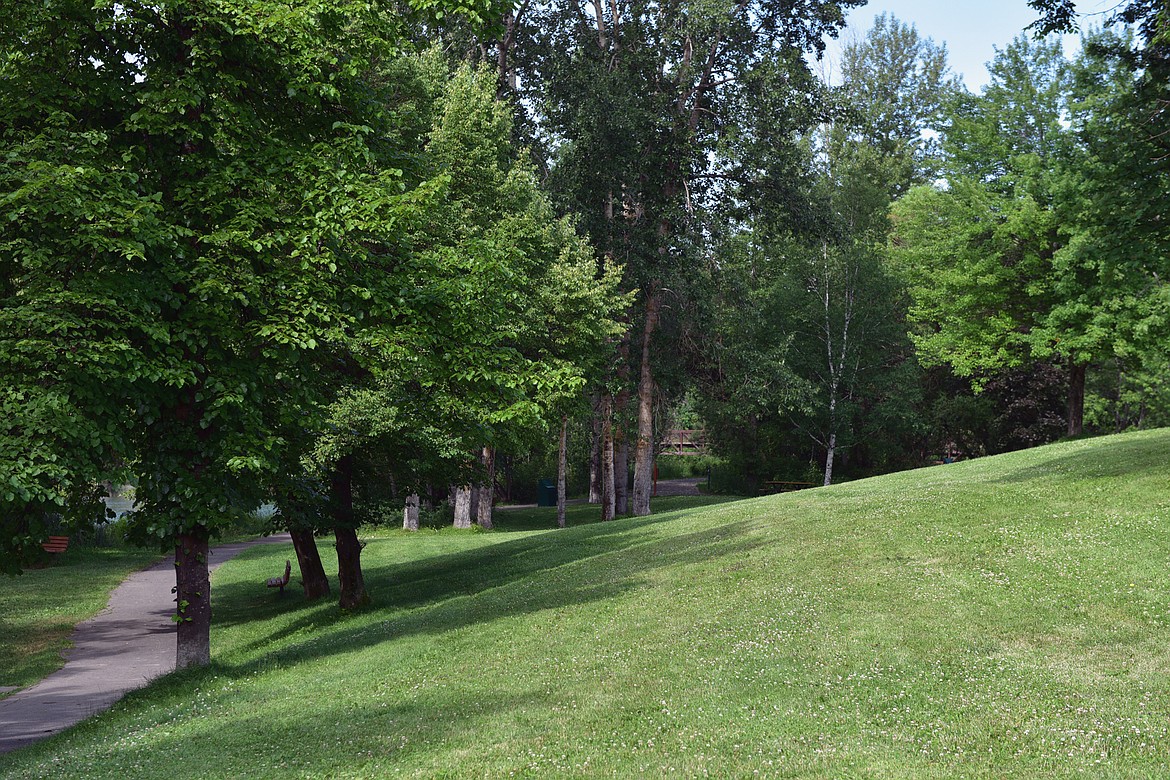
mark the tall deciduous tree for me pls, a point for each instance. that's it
(1150, 17)
(1029, 255)
(656, 112)
(895, 86)
(820, 362)
(1109, 189)
(496, 319)
(979, 255)
(154, 150)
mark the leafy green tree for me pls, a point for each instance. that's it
(845, 335)
(827, 358)
(1129, 394)
(895, 87)
(810, 350)
(656, 115)
(1147, 56)
(1008, 137)
(1028, 256)
(192, 195)
(1150, 17)
(1114, 259)
(979, 267)
(1114, 194)
(495, 321)
(979, 255)
(747, 387)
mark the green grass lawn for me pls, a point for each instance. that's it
(999, 618)
(39, 608)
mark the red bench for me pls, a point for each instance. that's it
(280, 582)
(56, 544)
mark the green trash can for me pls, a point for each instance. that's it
(546, 493)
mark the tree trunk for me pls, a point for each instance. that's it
(621, 455)
(644, 453)
(595, 455)
(830, 451)
(487, 491)
(349, 570)
(1076, 398)
(562, 462)
(349, 549)
(463, 506)
(621, 474)
(193, 600)
(313, 578)
(831, 447)
(507, 82)
(607, 492)
(410, 513)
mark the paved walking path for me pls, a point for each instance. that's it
(124, 647)
(686, 486)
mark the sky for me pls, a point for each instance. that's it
(971, 30)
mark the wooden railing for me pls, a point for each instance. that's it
(683, 442)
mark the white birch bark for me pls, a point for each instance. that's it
(837, 352)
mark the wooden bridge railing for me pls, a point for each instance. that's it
(683, 442)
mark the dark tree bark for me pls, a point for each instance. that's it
(607, 487)
(349, 549)
(349, 570)
(621, 473)
(313, 578)
(562, 460)
(1076, 398)
(644, 453)
(192, 600)
(621, 453)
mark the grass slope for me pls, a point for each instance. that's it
(1004, 617)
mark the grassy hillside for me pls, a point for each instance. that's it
(1005, 617)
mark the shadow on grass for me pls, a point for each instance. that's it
(323, 737)
(480, 585)
(461, 573)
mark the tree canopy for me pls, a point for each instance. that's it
(341, 256)
(206, 203)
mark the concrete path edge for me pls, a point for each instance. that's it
(122, 648)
